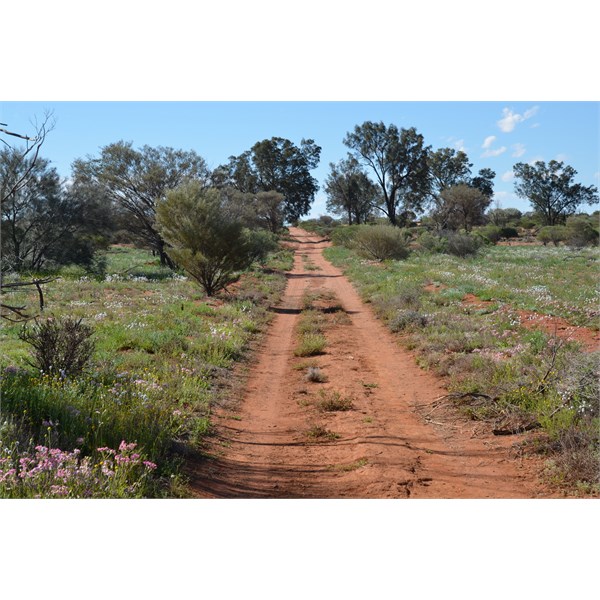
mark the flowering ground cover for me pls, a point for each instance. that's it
(497, 368)
(164, 354)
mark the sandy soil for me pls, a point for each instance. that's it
(398, 441)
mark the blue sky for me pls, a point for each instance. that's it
(494, 134)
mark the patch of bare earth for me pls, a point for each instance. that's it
(394, 438)
(557, 326)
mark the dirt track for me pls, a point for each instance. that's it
(390, 445)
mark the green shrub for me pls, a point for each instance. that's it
(380, 242)
(554, 234)
(492, 233)
(509, 232)
(344, 235)
(463, 245)
(311, 344)
(211, 247)
(580, 232)
(433, 243)
(405, 319)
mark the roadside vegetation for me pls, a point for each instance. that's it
(163, 356)
(131, 289)
(516, 377)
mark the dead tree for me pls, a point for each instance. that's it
(30, 152)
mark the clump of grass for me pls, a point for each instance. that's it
(311, 345)
(306, 364)
(315, 375)
(333, 401)
(311, 322)
(320, 433)
(353, 466)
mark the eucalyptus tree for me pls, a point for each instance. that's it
(350, 192)
(276, 165)
(551, 190)
(136, 180)
(398, 158)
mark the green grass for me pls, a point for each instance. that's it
(164, 355)
(333, 401)
(311, 344)
(529, 376)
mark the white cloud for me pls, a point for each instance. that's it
(535, 125)
(530, 113)
(561, 157)
(508, 176)
(489, 152)
(510, 119)
(518, 150)
(489, 140)
(535, 159)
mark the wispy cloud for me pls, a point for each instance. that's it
(535, 159)
(510, 119)
(489, 140)
(562, 157)
(497, 152)
(518, 150)
(487, 146)
(508, 176)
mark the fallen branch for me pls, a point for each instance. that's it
(515, 430)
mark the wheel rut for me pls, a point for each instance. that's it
(384, 447)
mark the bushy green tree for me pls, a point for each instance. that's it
(277, 165)
(463, 206)
(380, 242)
(504, 216)
(212, 247)
(45, 224)
(350, 192)
(137, 180)
(399, 160)
(551, 190)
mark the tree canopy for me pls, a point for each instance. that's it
(276, 165)
(551, 190)
(136, 180)
(350, 192)
(398, 159)
(463, 206)
(208, 244)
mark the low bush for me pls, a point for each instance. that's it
(509, 232)
(554, 234)
(380, 242)
(344, 235)
(491, 233)
(407, 319)
(463, 245)
(433, 243)
(61, 346)
(580, 232)
(334, 402)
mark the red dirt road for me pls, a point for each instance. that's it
(396, 442)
